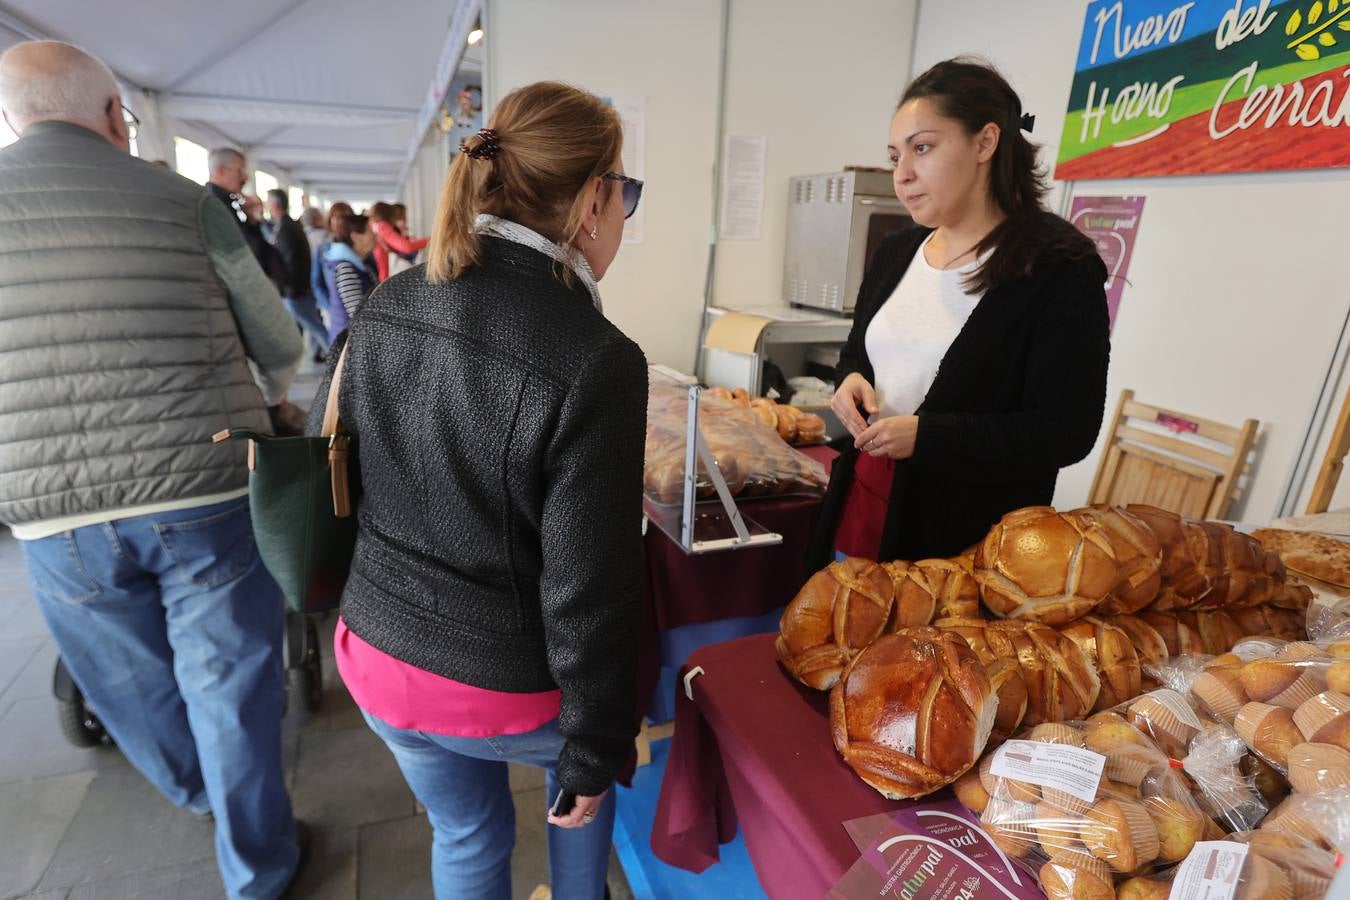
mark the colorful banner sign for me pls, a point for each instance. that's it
(1165, 87)
(1112, 223)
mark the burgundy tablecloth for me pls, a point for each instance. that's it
(755, 746)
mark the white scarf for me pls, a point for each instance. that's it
(517, 233)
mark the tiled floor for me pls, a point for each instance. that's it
(78, 823)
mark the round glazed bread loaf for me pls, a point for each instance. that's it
(837, 613)
(911, 714)
(1108, 649)
(1039, 565)
(1180, 637)
(1286, 624)
(1005, 674)
(1218, 632)
(1138, 554)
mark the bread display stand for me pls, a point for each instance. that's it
(711, 526)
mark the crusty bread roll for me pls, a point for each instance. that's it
(810, 428)
(1240, 572)
(1271, 620)
(1060, 683)
(1182, 585)
(912, 714)
(1148, 643)
(1138, 554)
(1005, 675)
(1109, 650)
(944, 587)
(1039, 565)
(839, 611)
(1181, 638)
(1218, 632)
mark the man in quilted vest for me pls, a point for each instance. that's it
(135, 323)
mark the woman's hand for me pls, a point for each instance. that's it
(581, 815)
(889, 438)
(853, 392)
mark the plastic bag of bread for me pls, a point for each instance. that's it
(1057, 679)
(912, 712)
(1043, 566)
(753, 459)
(1087, 802)
(1247, 866)
(837, 613)
(1319, 817)
(796, 426)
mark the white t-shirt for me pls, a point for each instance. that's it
(910, 334)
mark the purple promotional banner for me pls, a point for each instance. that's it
(1112, 223)
(932, 850)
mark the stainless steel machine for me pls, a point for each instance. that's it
(835, 224)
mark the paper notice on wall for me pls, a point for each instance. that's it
(1211, 872)
(742, 212)
(1060, 766)
(632, 110)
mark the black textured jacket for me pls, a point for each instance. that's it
(499, 423)
(1019, 395)
(288, 236)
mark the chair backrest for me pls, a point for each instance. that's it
(1191, 468)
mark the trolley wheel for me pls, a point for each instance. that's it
(79, 724)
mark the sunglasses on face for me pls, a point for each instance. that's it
(632, 192)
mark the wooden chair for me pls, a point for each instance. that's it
(1182, 470)
(1332, 463)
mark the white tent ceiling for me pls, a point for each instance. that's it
(325, 91)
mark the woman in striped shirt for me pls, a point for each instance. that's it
(350, 272)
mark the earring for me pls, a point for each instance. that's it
(595, 231)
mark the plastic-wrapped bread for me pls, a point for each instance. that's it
(912, 713)
(837, 613)
(1038, 565)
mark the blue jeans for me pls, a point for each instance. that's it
(172, 629)
(463, 784)
(305, 311)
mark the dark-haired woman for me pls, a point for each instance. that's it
(976, 366)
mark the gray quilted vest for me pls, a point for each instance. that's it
(119, 355)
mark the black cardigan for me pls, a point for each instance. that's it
(499, 423)
(1019, 395)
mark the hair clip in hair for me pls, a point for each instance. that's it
(488, 146)
(1028, 123)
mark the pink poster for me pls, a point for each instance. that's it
(1112, 222)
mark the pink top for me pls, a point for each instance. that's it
(411, 698)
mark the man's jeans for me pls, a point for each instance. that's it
(463, 783)
(305, 311)
(172, 629)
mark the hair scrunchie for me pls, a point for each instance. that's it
(488, 145)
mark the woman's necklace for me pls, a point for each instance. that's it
(962, 255)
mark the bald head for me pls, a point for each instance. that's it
(43, 81)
